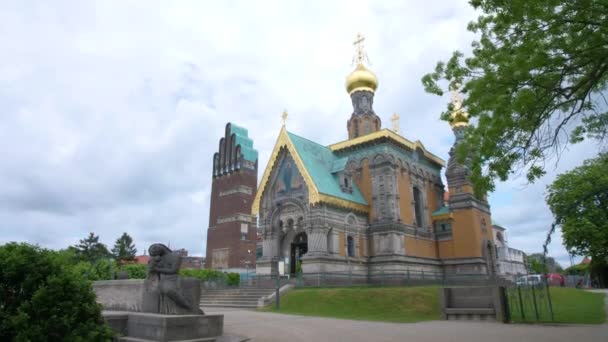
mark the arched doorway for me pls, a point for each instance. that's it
(299, 247)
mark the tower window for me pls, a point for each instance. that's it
(367, 127)
(346, 182)
(350, 246)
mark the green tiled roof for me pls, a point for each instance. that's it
(441, 211)
(339, 165)
(242, 138)
(320, 162)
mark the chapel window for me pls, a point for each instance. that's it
(367, 127)
(350, 244)
(418, 207)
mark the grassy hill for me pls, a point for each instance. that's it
(389, 304)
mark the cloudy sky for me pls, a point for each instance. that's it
(110, 111)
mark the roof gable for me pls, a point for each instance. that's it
(320, 162)
(315, 162)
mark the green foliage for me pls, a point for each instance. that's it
(124, 249)
(104, 269)
(90, 249)
(538, 75)
(135, 271)
(204, 274)
(578, 200)
(233, 279)
(41, 300)
(534, 262)
(580, 269)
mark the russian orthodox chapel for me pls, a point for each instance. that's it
(372, 203)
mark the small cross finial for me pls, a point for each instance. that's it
(360, 54)
(456, 96)
(284, 116)
(395, 120)
(458, 117)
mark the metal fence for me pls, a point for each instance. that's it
(408, 278)
(529, 303)
(380, 278)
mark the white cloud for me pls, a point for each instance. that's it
(111, 110)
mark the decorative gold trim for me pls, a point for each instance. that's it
(313, 193)
(447, 216)
(386, 133)
(361, 89)
(343, 203)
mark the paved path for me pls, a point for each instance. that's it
(262, 326)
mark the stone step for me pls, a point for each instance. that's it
(205, 302)
(239, 290)
(244, 306)
(135, 339)
(235, 294)
(251, 299)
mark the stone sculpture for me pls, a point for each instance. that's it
(164, 291)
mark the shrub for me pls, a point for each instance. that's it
(233, 279)
(135, 271)
(44, 300)
(203, 274)
(104, 269)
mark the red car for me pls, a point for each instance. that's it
(556, 279)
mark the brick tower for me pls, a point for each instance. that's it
(231, 237)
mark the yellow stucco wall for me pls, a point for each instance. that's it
(362, 246)
(446, 249)
(405, 195)
(467, 235)
(432, 201)
(341, 241)
(365, 185)
(420, 247)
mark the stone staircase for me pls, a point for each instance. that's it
(243, 297)
(477, 303)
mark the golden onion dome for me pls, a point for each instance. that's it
(361, 79)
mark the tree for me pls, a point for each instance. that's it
(535, 264)
(43, 300)
(90, 249)
(536, 80)
(578, 200)
(124, 249)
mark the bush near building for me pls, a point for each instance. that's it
(43, 299)
(230, 279)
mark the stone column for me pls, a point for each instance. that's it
(317, 240)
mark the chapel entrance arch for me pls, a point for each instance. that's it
(299, 247)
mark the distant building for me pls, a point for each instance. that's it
(232, 236)
(142, 259)
(510, 260)
(187, 261)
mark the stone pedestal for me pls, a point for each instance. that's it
(157, 327)
(136, 326)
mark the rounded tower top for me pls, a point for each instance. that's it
(361, 79)
(458, 117)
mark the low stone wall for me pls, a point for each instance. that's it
(128, 295)
(120, 295)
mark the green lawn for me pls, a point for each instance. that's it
(389, 304)
(570, 305)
